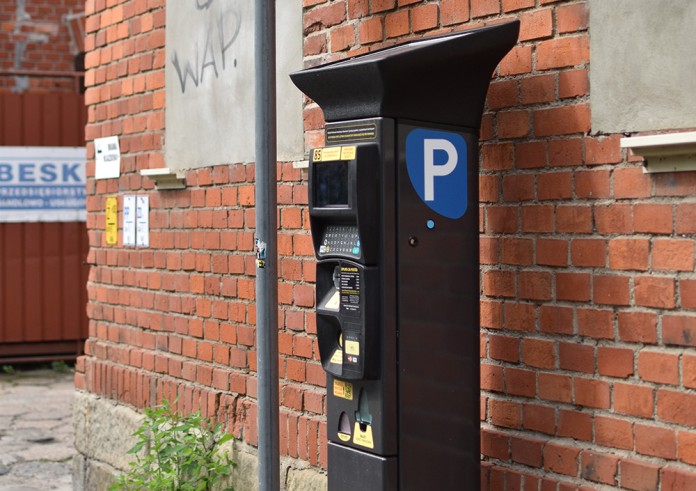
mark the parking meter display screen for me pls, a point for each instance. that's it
(331, 184)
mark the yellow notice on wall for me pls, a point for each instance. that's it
(111, 219)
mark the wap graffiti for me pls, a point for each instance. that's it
(210, 51)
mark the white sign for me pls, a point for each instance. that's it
(129, 212)
(42, 184)
(209, 73)
(142, 221)
(107, 158)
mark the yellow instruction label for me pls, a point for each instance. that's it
(111, 219)
(337, 357)
(342, 389)
(348, 153)
(327, 154)
(353, 348)
(363, 438)
(344, 436)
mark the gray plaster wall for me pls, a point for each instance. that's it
(209, 77)
(103, 432)
(643, 65)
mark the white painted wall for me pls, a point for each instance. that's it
(210, 82)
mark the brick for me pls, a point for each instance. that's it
(495, 444)
(514, 5)
(564, 120)
(554, 387)
(592, 393)
(534, 285)
(631, 183)
(637, 327)
(592, 184)
(504, 348)
(689, 370)
(678, 330)
(588, 253)
(561, 459)
(687, 289)
(499, 283)
(614, 219)
(527, 451)
(572, 18)
(686, 219)
(497, 156)
(573, 219)
(519, 187)
(424, 17)
(573, 83)
(595, 323)
(454, 12)
(634, 400)
(552, 252)
(505, 413)
(382, 5)
(482, 8)
(671, 404)
(667, 185)
(576, 357)
(615, 433)
(536, 25)
(502, 94)
(562, 52)
(614, 362)
(529, 155)
(652, 218)
(565, 152)
(371, 30)
(501, 219)
(673, 255)
(677, 479)
(574, 424)
(491, 377)
(639, 476)
(651, 291)
(537, 218)
(658, 367)
(556, 319)
(599, 468)
(629, 254)
(538, 353)
(519, 316)
(686, 445)
(539, 418)
(554, 186)
(655, 441)
(397, 24)
(513, 124)
(538, 89)
(516, 62)
(610, 290)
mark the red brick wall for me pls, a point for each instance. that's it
(37, 39)
(588, 285)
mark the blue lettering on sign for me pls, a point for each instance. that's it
(437, 167)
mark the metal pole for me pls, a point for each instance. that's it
(266, 246)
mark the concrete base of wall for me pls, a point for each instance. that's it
(103, 432)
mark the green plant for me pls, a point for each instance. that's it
(8, 369)
(176, 453)
(59, 366)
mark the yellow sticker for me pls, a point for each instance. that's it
(353, 348)
(344, 390)
(348, 153)
(111, 220)
(343, 436)
(329, 154)
(363, 438)
(337, 357)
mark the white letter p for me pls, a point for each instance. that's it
(430, 170)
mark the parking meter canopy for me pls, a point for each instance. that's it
(441, 80)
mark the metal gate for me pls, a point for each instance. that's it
(43, 274)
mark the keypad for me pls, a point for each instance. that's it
(340, 239)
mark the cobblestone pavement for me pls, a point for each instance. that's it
(36, 432)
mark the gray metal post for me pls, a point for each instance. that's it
(266, 246)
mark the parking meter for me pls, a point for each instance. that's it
(393, 206)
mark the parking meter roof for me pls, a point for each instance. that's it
(441, 79)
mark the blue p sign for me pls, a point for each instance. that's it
(436, 164)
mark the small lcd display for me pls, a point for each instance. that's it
(331, 184)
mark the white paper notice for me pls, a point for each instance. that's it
(107, 158)
(142, 221)
(129, 220)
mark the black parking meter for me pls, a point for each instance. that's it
(393, 205)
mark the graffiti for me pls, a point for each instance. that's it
(210, 57)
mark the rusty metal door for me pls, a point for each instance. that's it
(43, 275)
